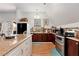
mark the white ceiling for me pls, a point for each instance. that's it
(27, 7)
(31, 7)
(7, 7)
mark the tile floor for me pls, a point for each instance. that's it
(42, 48)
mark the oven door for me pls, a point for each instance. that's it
(59, 47)
(60, 38)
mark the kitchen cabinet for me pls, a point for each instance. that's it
(51, 38)
(37, 37)
(15, 52)
(34, 37)
(43, 37)
(24, 49)
(27, 49)
(71, 47)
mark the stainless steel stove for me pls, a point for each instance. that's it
(59, 42)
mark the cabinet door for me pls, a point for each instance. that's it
(72, 47)
(15, 52)
(34, 37)
(51, 37)
(27, 49)
(44, 38)
(39, 38)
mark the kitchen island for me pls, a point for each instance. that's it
(19, 46)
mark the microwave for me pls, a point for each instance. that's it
(70, 34)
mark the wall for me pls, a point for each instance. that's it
(6, 16)
(30, 16)
(29, 9)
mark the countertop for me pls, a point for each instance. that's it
(59, 36)
(73, 38)
(6, 45)
(42, 32)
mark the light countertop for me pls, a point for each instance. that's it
(73, 38)
(6, 45)
(42, 32)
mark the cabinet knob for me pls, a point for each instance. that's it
(76, 43)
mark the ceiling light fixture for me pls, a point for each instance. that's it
(44, 3)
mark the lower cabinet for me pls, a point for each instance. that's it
(34, 37)
(51, 38)
(27, 49)
(43, 37)
(71, 47)
(15, 52)
(24, 49)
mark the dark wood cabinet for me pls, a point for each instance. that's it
(71, 47)
(43, 37)
(34, 37)
(39, 37)
(51, 38)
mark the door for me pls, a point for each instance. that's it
(21, 27)
(72, 47)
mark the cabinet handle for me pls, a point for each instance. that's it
(76, 43)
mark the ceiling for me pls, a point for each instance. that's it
(27, 7)
(7, 7)
(32, 7)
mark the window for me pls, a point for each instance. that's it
(37, 22)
